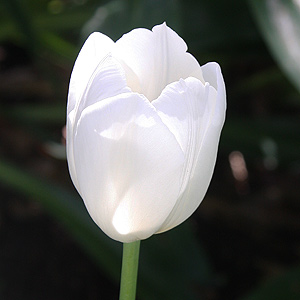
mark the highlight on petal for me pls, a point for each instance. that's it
(129, 166)
(157, 58)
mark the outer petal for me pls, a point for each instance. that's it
(212, 74)
(93, 51)
(155, 59)
(95, 48)
(195, 114)
(128, 165)
(107, 80)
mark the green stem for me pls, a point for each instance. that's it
(130, 262)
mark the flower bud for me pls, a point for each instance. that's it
(143, 127)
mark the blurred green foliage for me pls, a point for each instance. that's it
(285, 286)
(262, 106)
(279, 22)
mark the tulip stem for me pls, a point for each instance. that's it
(130, 262)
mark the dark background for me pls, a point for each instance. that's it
(244, 240)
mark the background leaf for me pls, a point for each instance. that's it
(279, 22)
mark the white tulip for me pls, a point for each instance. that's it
(143, 127)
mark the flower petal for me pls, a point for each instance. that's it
(212, 74)
(193, 114)
(128, 165)
(95, 48)
(157, 58)
(107, 80)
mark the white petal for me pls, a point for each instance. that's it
(157, 58)
(95, 48)
(128, 165)
(212, 74)
(69, 148)
(93, 51)
(107, 80)
(191, 110)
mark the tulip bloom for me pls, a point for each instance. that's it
(143, 127)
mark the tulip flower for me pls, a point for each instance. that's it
(143, 127)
